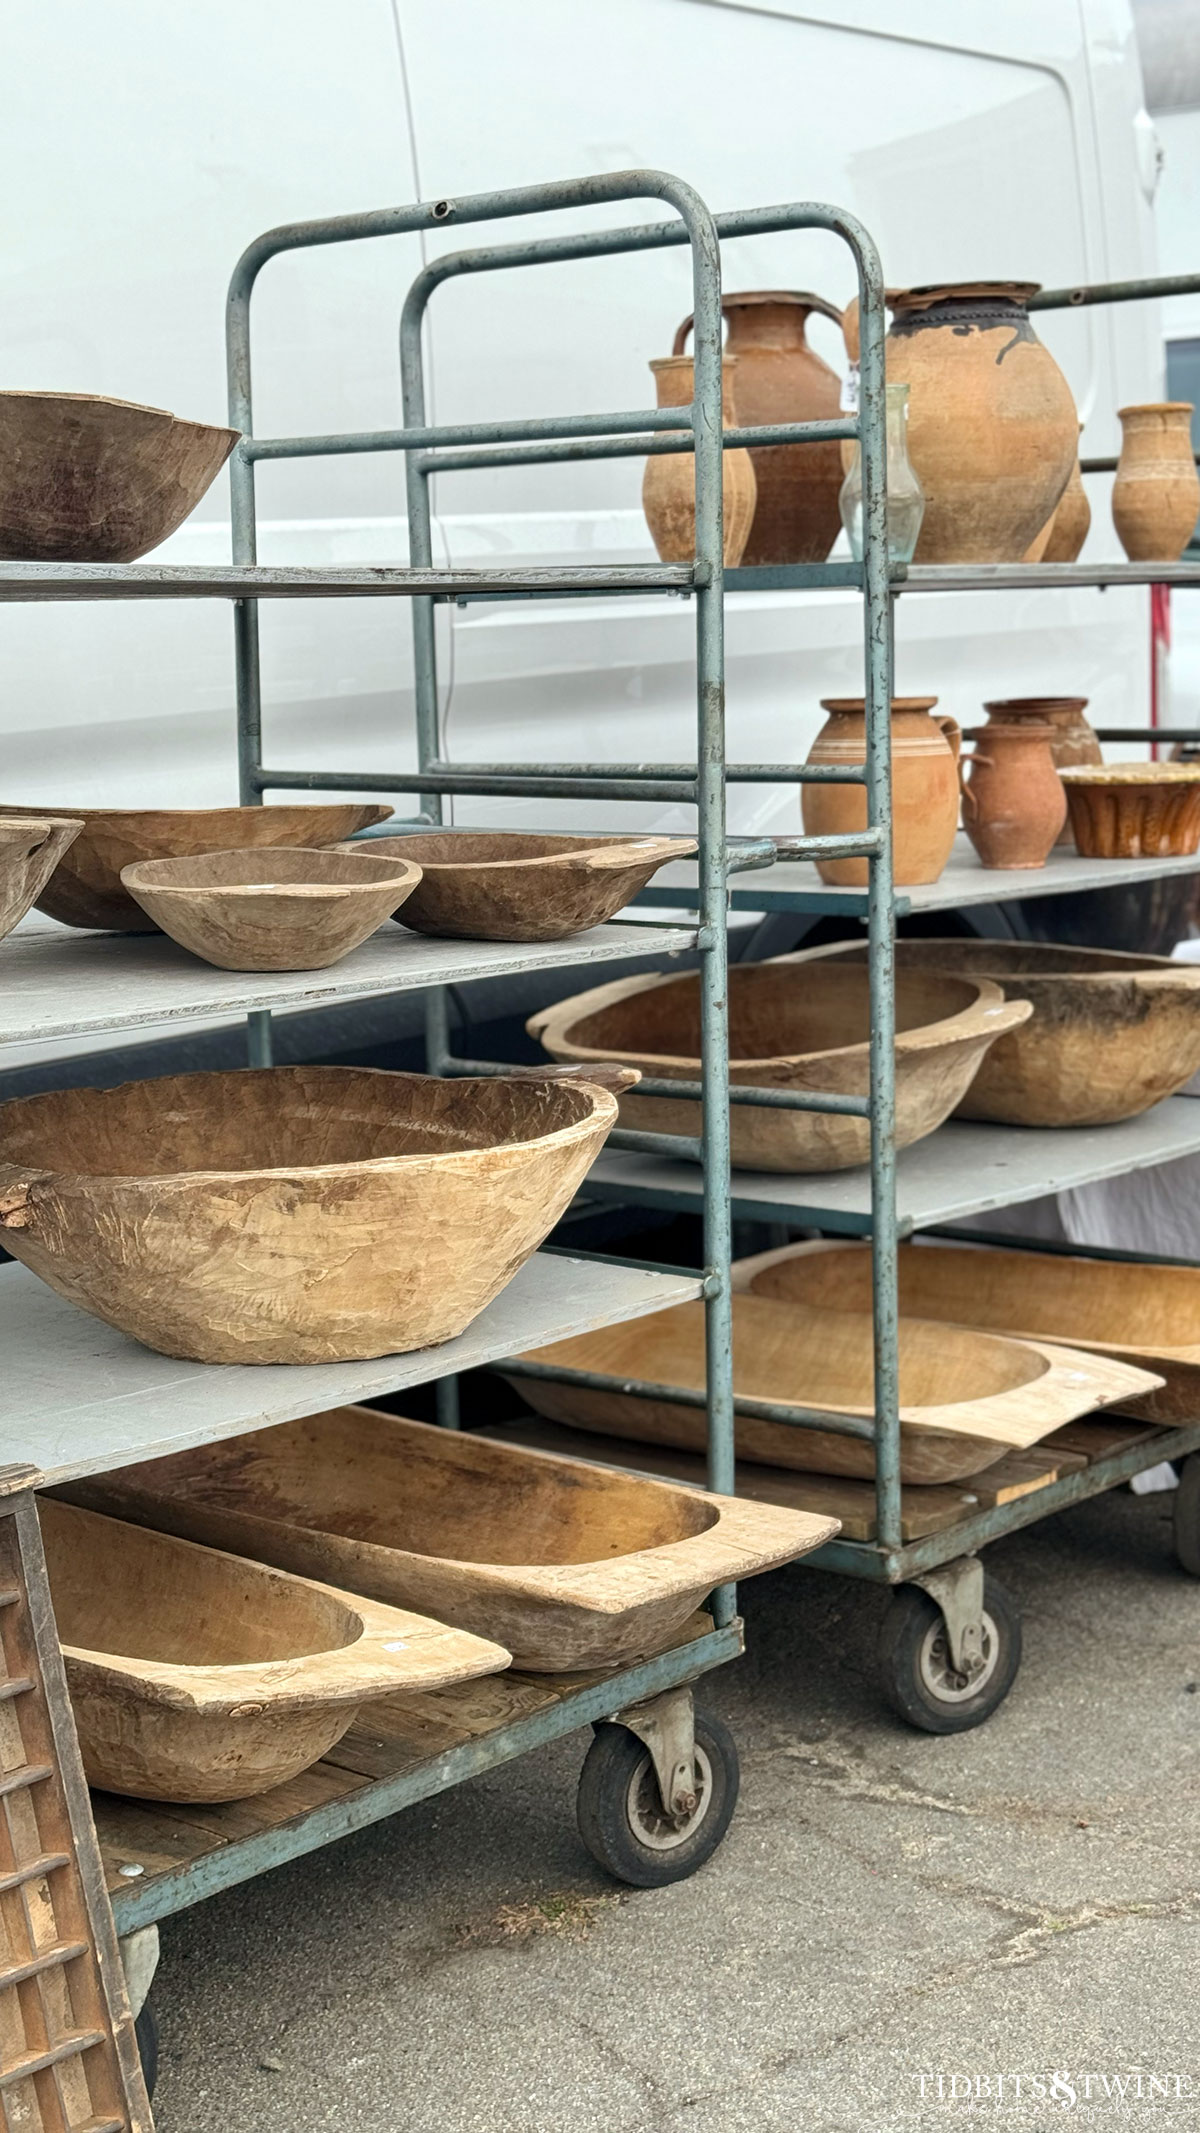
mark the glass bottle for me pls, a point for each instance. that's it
(905, 496)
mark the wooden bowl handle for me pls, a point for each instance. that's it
(602, 1073)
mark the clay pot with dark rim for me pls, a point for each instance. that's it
(1156, 495)
(1071, 737)
(669, 482)
(781, 379)
(992, 428)
(1014, 804)
(924, 789)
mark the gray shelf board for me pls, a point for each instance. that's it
(60, 983)
(80, 1398)
(795, 885)
(265, 581)
(961, 1170)
(961, 577)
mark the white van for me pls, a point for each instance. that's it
(145, 145)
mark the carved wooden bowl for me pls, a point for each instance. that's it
(85, 888)
(790, 1028)
(30, 849)
(1110, 1034)
(85, 479)
(1134, 810)
(292, 1214)
(1148, 1316)
(281, 909)
(566, 1565)
(966, 1398)
(196, 1676)
(504, 885)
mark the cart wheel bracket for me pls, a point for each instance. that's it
(139, 1958)
(667, 1727)
(957, 1589)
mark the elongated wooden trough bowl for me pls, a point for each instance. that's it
(85, 479)
(292, 1214)
(504, 885)
(30, 849)
(1148, 1316)
(792, 1025)
(1110, 1034)
(198, 1676)
(279, 910)
(564, 1564)
(966, 1398)
(1134, 810)
(85, 888)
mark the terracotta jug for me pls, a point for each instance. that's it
(992, 427)
(1014, 803)
(1071, 737)
(1156, 495)
(924, 788)
(669, 483)
(781, 379)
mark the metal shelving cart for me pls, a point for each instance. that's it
(85, 1399)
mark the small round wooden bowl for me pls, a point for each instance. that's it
(85, 888)
(30, 849)
(85, 479)
(1134, 810)
(504, 885)
(283, 909)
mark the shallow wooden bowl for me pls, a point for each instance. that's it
(566, 1566)
(966, 1398)
(30, 849)
(282, 909)
(1110, 1034)
(1148, 1316)
(1134, 810)
(196, 1676)
(85, 479)
(85, 888)
(793, 1025)
(292, 1214)
(502, 885)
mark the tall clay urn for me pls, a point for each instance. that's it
(781, 379)
(669, 483)
(1156, 495)
(992, 428)
(924, 789)
(1014, 802)
(1072, 739)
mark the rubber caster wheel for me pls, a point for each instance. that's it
(145, 2029)
(915, 1670)
(622, 1819)
(1186, 1516)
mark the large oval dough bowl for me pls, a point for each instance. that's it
(966, 1398)
(507, 885)
(30, 849)
(292, 1214)
(85, 888)
(1148, 1316)
(199, 1676)
(565, 1564)
(85, 479)
(1110, 1034)
(792, 1025)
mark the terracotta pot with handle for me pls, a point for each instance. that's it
(781, 379)
(669, 482)
(924, 788)
(1014, 804)
(1072, 739)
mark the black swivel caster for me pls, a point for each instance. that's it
(1187, 1515)
(916, 1670)
(145, 2029)
(622, 1818)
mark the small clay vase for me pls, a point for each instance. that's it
(1072, 740)
(781, 379)
(669, 483)
(1014, 803)
(1156, 495)
(924, 789)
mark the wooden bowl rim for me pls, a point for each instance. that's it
(140, 873)
(605, 851)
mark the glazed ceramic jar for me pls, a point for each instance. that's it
(924, 789)
(1156, 495)
(1071, 737)
(781, 379)
(1014, 805)
(992, 425)
(669, 483)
